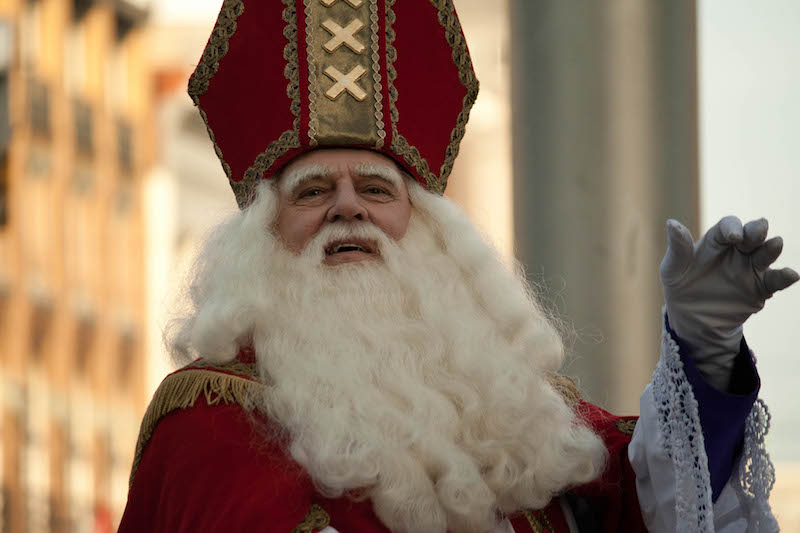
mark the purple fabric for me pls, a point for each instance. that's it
(722, 414)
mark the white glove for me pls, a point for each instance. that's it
(712, 287)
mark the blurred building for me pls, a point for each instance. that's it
(76, 140)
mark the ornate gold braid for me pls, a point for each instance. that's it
(225, 166)
(217, 47)
(209, 65)
(316, 519)
(539, 521)
(400, 145)
(245, 189)
(182, 389)
(448, 19)
(567, 388)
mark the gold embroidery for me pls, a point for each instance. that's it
(354, 3)
(448, 19)
(539, 521)
(313, 117)
(376, 73)
(217, 47)
(289, 139)
(342, 119)
(225, 166)
(181, 391)
(400, 145)
(626, 426)
(316, 519)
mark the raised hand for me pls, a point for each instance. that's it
(713, 286)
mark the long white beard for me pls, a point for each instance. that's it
(420, 381)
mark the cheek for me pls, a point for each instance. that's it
(296, 228)
(397, 224)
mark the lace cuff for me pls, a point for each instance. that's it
(669, 457)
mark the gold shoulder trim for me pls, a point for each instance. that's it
(182, 389)
(538, 521)
(315, 520)
(565, 386)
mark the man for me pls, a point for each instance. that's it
(365, 362)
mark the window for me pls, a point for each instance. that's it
(80, 8)
(125, 147)
(39, 107)
(84, 138)
(4, 199)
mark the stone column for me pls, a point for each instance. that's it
(604, 107)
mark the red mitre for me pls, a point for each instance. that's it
(282, 77)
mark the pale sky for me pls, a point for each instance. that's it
(750, 162)
(750, 113)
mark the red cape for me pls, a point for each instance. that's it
(206, 463)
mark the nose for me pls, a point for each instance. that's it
(347, 205)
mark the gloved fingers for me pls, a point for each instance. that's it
(728, 231)
(767, 254)
(755, 233)
(680, 251)
(777, 280)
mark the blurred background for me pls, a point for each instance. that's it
(596, 122)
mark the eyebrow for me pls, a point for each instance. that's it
(295, 179)
(290, 182)
(384, 172)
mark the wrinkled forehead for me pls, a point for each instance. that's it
(296, 175)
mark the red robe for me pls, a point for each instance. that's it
(204, 463)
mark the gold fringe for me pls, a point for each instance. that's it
(182, 389)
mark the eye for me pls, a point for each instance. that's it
(375, 190)
(311, 193)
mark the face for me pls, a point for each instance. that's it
(341, 185)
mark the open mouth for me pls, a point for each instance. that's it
(349, 246)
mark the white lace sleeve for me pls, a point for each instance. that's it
(668, 455)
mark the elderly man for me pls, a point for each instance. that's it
(363, 361)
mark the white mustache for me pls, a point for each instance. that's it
(345, 231)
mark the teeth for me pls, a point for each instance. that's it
(339, 247)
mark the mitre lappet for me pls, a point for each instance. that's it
(279, 78)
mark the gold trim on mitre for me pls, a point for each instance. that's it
(289, 139)
(461, 58)
(215, 50)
